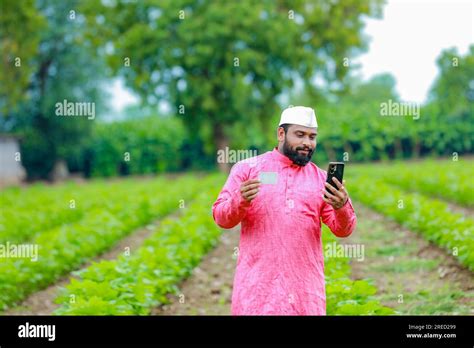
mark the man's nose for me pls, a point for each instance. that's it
(307, 143)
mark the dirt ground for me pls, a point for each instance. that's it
(412, 275)
(208, 290)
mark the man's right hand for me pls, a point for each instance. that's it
(249, 189)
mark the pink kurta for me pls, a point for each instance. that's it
(280, 265)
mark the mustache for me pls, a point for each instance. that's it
(297, 158)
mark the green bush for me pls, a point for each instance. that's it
(141, 146)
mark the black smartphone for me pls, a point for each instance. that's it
(335, 169)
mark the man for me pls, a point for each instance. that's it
(280, 266)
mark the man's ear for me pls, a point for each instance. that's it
(280, 134)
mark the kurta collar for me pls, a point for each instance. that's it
(282, 158)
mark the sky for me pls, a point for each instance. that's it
(410, 37)
(405, 42)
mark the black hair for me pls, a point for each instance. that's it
(285, 127)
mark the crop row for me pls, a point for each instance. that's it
(430, 217)
(345, 296)
(63, 249)
(445, 179)
(133, 284)
(27, 212)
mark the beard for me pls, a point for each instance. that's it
(297, 157)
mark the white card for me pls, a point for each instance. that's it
(270, 178)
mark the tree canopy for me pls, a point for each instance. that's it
(222, 64)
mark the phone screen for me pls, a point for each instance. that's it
(335, 169)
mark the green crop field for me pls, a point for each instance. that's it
(73, 224)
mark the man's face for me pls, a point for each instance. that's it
(299, 143)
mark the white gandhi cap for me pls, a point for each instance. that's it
(300, 115)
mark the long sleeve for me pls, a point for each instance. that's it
(230, 207)
(340, 221)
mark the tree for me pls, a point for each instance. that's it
(20, 27)
(62, 68)
(452, 90)
(350, 125)
(222, 64)
(450, 107)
